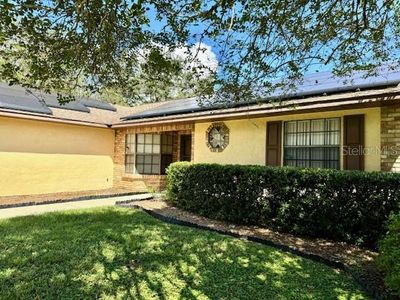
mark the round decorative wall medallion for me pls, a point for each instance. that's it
(217, 136)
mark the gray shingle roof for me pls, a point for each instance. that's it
(18, 98)
(312, 85)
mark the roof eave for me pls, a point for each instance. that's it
(46, 118)
(257, 112)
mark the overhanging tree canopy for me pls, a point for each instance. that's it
(92, 45)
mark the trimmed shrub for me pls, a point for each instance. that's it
(349, 206)
(389, 255)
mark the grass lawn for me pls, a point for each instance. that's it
(123, 253)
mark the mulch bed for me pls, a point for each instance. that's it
(25, 200)
(358, 262)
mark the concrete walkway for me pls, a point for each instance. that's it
(44, 208)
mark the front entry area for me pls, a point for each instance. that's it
(143, 155)
(152, 153)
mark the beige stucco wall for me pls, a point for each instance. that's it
(39, 157)
(247, 139)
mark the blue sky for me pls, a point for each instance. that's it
(200, 27)
(157, 25)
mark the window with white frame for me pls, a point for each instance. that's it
(312, 143)
(148, 153)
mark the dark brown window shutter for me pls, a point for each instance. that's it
(274, 143)
(353, 151)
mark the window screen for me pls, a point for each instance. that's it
(312, 143)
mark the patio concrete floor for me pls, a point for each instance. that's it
(44, 208)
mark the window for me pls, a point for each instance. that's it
(166, 152)
(130, 153)
(148, 153)
(312, 143)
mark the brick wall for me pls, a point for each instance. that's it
(143, 182)
(390, 138)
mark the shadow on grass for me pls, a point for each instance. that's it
(117, 253)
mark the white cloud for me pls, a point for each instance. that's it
(199, 58)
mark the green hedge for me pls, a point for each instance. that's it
(389, 255)
(340, 205)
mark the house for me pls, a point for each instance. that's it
(327, 122)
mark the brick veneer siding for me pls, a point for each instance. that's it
(390, 138)
(143, 182)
